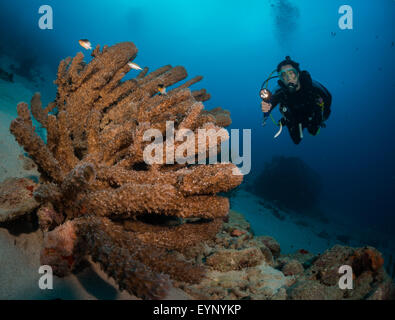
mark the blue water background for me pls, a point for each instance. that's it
(235, 45)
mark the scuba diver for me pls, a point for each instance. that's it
(304, 103)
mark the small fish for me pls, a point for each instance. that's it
(134, 66)
(85, 43)
(161, 89)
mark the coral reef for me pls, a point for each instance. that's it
(290, 183)
(16, 198)
(239, 267)
(226, 260)
(115, 206)
(152, 226)
(255, 269)
(292, 267)
(320, 279)
(48, 218)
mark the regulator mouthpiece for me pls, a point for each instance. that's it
(291, 87)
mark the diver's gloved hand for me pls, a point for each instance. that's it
(265, 106)
(323, 125)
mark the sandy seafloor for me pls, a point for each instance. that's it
(19, 255)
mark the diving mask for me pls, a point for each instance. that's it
(288, 74)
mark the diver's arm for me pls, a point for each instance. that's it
(275, 99)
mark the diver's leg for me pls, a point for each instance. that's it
(313, 129)
(313, 124)
(294, 133)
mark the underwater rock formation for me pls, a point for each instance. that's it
(16, 198)
(6, 76)
(290, 183)
(230, 259)
(93, 171)
(292, 267)
(247, 273)
(238, 267)
(321, 277)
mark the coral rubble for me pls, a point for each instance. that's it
(255, 269)
(16, 198)
(95, 181)
(320, 279)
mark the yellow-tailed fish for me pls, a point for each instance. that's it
(161, 89)
(134, 66)
(85, 43)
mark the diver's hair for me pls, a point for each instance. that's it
(288, 61)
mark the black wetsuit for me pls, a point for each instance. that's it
(303, 106)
